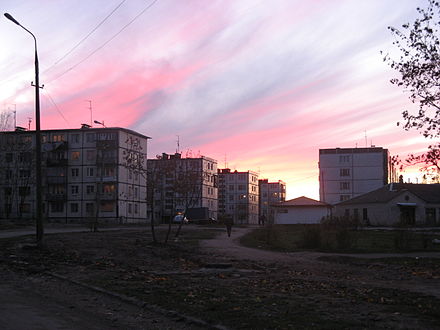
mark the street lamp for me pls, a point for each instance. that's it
(39, 222)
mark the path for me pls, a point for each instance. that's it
(308, 263)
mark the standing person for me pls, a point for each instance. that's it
(229, 221)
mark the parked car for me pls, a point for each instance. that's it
(179, 218)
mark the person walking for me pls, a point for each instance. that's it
(229, 221)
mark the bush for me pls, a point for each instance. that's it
(310, 237)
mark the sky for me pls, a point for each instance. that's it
(258, 85)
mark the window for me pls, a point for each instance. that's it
(57, 207)
(344, 158)
(24, 191)
(8, 157)
(24, 157)
(90, 171)
(75, 172)
(344, 185)
(90, 155)
(58, 138)
(109, 171)
(90, 208)
(130, 191)
(129, 208)
(240, 187)
(90, 137)
(25, 173)
(231, 187)
(7, 191)
(344, 197)
(74, 207)
(108, 188)
(231, 197)
(365, 214)
(107, 206)
(90, 189)
(136, 192)
(135, 209)
(74, 190)
(356, 214)
(75, 155)
(430, 215)
(8, 174)
(25, 208)
(74, 138)
(344, 172)
(130, 174)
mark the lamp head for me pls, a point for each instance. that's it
(9, 17)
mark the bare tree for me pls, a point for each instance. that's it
(5, 121)
(419, 68)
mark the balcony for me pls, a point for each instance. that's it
(56, 179)
(106, 144)
(56, 197)
(56, 162)
(107, 196)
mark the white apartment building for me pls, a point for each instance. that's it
(88, 174)
(177, 184)
(238, 196)
(345, 173)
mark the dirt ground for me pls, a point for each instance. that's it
(128, 283)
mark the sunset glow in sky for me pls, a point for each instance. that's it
(259, 85)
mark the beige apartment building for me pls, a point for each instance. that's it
(270, 193)
(238, 196)
(178, 185)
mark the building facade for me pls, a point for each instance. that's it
(395, 204)
(345, 173)
(238, 196)
(178, 184)
(88, 174)
(301, 210)
(270, 193)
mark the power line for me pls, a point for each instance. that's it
(105, 43)
(56, 107)
(86, 37)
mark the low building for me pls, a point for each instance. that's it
(87, 173)
(238, 196)
(395, 203)
(270, 193)
(301, 210)
(177, 184)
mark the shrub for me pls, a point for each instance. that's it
(310, 237)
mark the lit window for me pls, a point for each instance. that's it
(75, 155)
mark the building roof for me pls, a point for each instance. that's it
(372, 149)
(90, 129)
(428, 192)
(301, 201)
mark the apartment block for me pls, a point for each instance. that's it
(238, 196)
(88, 173)
(177, 184)
(270, 193)
(345, 173)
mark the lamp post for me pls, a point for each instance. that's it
(39, 220)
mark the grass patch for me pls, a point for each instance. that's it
(291, 238)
